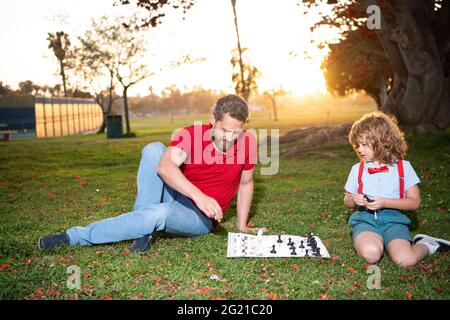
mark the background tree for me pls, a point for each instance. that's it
(415, 38)
(368, 69)
(273, 94)
(245, 77)
(60, 44)
(97, 62)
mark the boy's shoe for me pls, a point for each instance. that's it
(142, 244)
(433, 244)
(53, 240)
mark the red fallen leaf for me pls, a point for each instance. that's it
(29, 260)
(351, 270)
(325, 296)
(217, 298)
(400, 278)
(104, 200)
(50, 195)
(263, 289)
(326, 244)
(126, 252)
(295, 266)
(210, 265)
(40, 293)
(324, 214)
(409, 295)
(156, 280)
(64, 259)
(366, 267)
(272, 296)
(334, 257)
(32, 297)
(106, 297)
(348, 291)
(76, 177)
(87, 274)
(439, 290)
(205, 291)
(4, 266)
(83, 183)
(356, 284)
(250, 225)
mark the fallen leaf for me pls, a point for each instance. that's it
(250, 225)
(351, 270)
(64, 259)
(50, 195)
(126, 252)
(87, 274)
(29, 260)
(439, 290)
(40, 293)
(83, 183)
(4, 266)
(272, 296)
(325, 296)
(205, 291)
(217, 298)
(156, 280)
(326, 244)
(106, 297)
(409, 295)
(295, 266)
(323, 214)
(104, 200)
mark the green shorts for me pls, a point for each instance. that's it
(389, 224)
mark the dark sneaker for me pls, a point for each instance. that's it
(48, 242)
(433, 244)
(142, 244)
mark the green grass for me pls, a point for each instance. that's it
(47, 185)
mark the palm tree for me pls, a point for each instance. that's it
(60, 43)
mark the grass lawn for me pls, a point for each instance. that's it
(47, 185)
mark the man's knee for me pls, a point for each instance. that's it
(154, 149)
(155, 216)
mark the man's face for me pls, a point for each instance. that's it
(226, 131)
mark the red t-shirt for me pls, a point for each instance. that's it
(215, 173)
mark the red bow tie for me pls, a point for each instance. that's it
(380, 169)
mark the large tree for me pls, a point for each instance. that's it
(415, 38)
(244, 75)
(59, 42)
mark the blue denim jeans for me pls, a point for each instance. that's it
(158, 207)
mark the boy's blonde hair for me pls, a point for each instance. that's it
(383, 135)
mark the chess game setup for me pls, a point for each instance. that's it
(275, 246)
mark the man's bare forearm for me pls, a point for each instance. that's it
(172, 175)
(244, 202)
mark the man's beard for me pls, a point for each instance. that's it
(222, 144)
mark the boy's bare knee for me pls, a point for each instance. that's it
(405, 260)
(371, 254)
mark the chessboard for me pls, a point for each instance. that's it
(275, 246)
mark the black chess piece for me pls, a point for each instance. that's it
(290, 243)
(279, 239)
(293, 253)
(306, 253)
(318, 252)
(273, 249)
(301, 244)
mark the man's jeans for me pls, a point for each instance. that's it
(158, 207)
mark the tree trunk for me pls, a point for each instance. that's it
(419, 97)
(125, 105)
(274, 104)
(63, 75)
(245, 89)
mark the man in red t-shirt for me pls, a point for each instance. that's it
(186, 188)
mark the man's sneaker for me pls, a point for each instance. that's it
(433, 244)
(142, 244)
(48, 242)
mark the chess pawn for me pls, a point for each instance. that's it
(301, 245)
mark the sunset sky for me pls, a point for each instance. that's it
(277, 37)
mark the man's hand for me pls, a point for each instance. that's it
(378, 203)
(209, 206)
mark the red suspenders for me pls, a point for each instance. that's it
(401, 175)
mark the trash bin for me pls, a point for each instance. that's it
(114, 126)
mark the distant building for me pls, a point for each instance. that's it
(49, 117)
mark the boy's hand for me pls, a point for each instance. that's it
(359, 200)
(378, 203)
